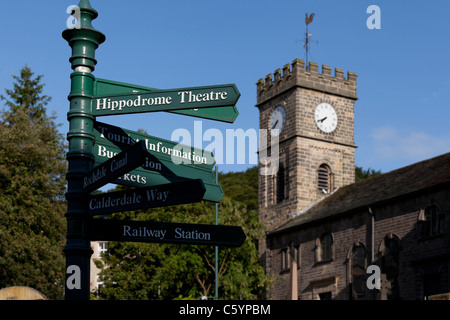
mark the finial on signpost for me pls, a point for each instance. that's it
(84, 38)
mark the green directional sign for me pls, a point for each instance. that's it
(115, 167)
(166, 100)
(144, 198)
(165, 232)
(166, 161)
(103, 87)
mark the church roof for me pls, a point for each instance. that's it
(377, 190)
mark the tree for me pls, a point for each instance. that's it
(32, 186)
(361, 174)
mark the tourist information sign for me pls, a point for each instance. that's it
(165, 232)
(109, 87)
(90, 98)
(115, 167)
(166, 161)
(166, 100)
(144, 198)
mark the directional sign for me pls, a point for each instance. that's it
(143, 198)
(115, 167)
(104, 87)
(166, 161)
(166, 100)
(165, 232)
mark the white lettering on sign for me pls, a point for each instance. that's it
(128, 231)
(138, 102)
(96, 175)
(189, 97)
(185, 154)
(194, 234)
(116, 165)
(107, 104)
(109, 201)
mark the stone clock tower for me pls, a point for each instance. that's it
(314, 114)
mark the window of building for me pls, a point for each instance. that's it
(358, 271)
(325, 295)
(324, 248)
(285, 261)
(102, 248)
(324, 178)
(390, 261)
(288, 255)
(430, 222)
(281, 188)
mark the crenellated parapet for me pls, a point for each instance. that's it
(297, 75)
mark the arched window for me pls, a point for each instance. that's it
(430, 222)
(324, 178)
(358, 271)
(281, 188)
(390, 261)
(324, 248)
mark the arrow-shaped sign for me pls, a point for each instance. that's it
(143, 198)
(159, 167)
(166, 100)
(115, 167)
(165, 232)
(103, 87)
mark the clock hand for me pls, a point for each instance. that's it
(275, 124)
(322, 120)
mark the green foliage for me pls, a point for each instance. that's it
(361, 174)
(32, 184)
(242, 186)
(168, 271)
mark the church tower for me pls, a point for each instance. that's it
(314, 115)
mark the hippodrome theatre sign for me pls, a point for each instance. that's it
(166, 100)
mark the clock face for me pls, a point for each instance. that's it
(325, 117)
(277, 120)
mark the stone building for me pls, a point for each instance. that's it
(387, 237)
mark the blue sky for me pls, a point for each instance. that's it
(403, 112)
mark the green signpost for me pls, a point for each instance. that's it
(162, 172)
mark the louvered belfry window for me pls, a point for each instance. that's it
(324, 178)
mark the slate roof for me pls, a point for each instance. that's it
(431, 173)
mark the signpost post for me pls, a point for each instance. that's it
(83, 40)
(163, 172)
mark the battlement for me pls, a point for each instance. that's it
(297, 75)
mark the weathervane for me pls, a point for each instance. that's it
(308, 20)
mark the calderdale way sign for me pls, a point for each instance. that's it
(115, 167)
(143, 198)
(165, 232)
(166, 161)
(166, 100)
(103, 87)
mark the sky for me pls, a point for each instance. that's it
(402, 113)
